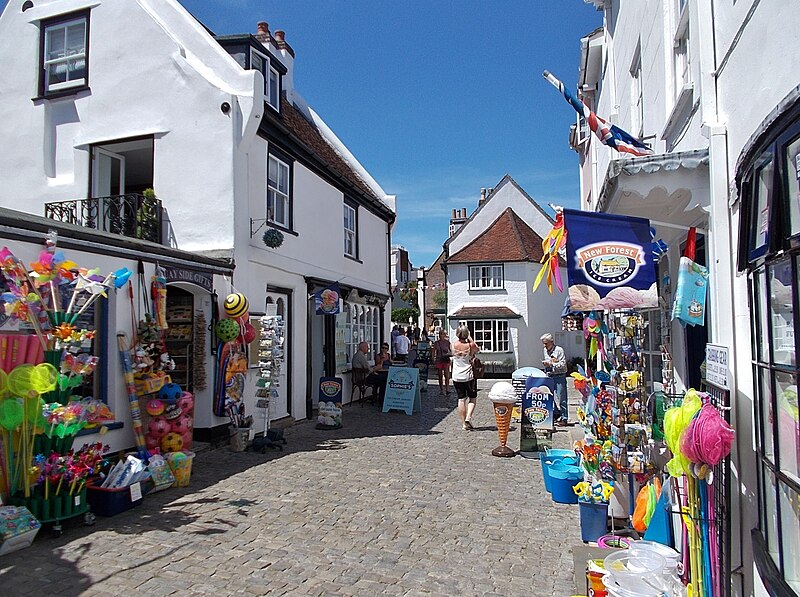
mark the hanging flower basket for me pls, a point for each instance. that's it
(273, 238)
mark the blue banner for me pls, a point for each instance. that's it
(327, 300)
(609, 262)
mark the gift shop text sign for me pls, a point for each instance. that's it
(717, 365)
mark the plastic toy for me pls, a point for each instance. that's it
(172, 412)
(182, 424)
(171, 392)
(158, 427)
(227, 330)
(154, 407)
(171, 442)
(236, 305)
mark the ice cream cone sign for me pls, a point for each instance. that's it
(503, 398)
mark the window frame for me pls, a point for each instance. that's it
(490, 331)
(286, 225)
(267, 70)
(491, 277)
(637, 101)
(63, 89)
(353, 207)
(681, 55)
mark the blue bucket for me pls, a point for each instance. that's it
(563, 478)
(594, 521)
(548, 461)
(559, 452)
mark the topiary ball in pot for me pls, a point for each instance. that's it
(273, 238)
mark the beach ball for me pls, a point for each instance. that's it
(170, 392)
(249, 333)
(158, 427)
(154, 407)
(186, 402)
(171, 442)
(236, 305)
(187, 438)
(172, 412)
(227, 330)
(182, 424)
(152, 443)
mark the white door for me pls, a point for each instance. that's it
(279, 406)
(108, 180)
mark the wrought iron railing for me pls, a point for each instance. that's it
(132, 215)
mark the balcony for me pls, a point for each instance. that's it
(132, 215)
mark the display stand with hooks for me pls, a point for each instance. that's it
(270, 361)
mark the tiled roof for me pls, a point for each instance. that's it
(507, 239)
(497, 312)
(294, 120)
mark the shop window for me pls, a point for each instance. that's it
(491, 335)
(64, 54)
(359, 323)
(771, 256)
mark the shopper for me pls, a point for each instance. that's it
(401, 345)
(395, 333)
(555, 365)
(415, 333)
(442, 352)
(464, 348)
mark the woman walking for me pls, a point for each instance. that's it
(442, 351)
(464, 348)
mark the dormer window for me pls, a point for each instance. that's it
(272, 78)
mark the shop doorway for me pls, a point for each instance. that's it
(180, 336)
(280, 405)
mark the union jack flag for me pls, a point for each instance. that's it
(609, 134)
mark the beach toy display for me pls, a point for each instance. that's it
(181, 465)
(563, 478)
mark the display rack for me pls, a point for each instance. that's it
(270, 362)
(180, 336)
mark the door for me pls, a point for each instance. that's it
(108, 180)
(280, 405)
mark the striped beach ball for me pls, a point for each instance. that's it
(236, 305)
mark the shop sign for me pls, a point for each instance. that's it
(717, 366)
(537, 411)
(402, 390)
(609, 262)
(327, 301)
(329, 414)
(179, 274)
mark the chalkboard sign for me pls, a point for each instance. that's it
(402, 390)
(329, 414)
(422, 365)
(537, 411)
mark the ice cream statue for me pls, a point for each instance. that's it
(503, 398)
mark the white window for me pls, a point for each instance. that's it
(362, 324)
(350, 232)
(274, 84)
(278, 192)
(482, 277)
(64, 58)
(491, 335)
(680, 48)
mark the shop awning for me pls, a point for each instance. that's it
(488, 312)
(671, 189)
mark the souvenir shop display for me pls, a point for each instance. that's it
(270, 362)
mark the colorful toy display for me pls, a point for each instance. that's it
(236, 305)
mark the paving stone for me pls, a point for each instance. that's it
(389, 504)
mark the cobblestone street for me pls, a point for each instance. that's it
(390, 504)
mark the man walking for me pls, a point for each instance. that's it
(555, 365)
(401, 346)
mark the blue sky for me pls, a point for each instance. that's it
(437, 99)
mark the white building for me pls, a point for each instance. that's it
(402, 272)
(106, 99)
(713, 86)
(491, 261)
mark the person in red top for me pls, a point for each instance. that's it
(442, 351)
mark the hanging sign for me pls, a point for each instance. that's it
(609, 262)
(537, 411)
(327, 301)
(329, 413)
(717, 366)
(402, 390)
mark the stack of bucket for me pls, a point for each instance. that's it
(561, 473)
(645, 569)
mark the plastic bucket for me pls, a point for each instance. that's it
(557, 453)
(548, 461)
(563, 478)
(181, 467)
(642, 573)
(594, 521)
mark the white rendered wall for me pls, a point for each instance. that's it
(165, 78)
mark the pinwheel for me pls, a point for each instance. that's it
(552, 245)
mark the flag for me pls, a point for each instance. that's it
(327, 300)
(610, 135)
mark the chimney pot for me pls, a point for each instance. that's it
(263, 27)
(280, 35)
(454, 214)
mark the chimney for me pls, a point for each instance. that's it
(263, 32)
(482, 200)
(280, 41)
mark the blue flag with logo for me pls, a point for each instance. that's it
(609, 262)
